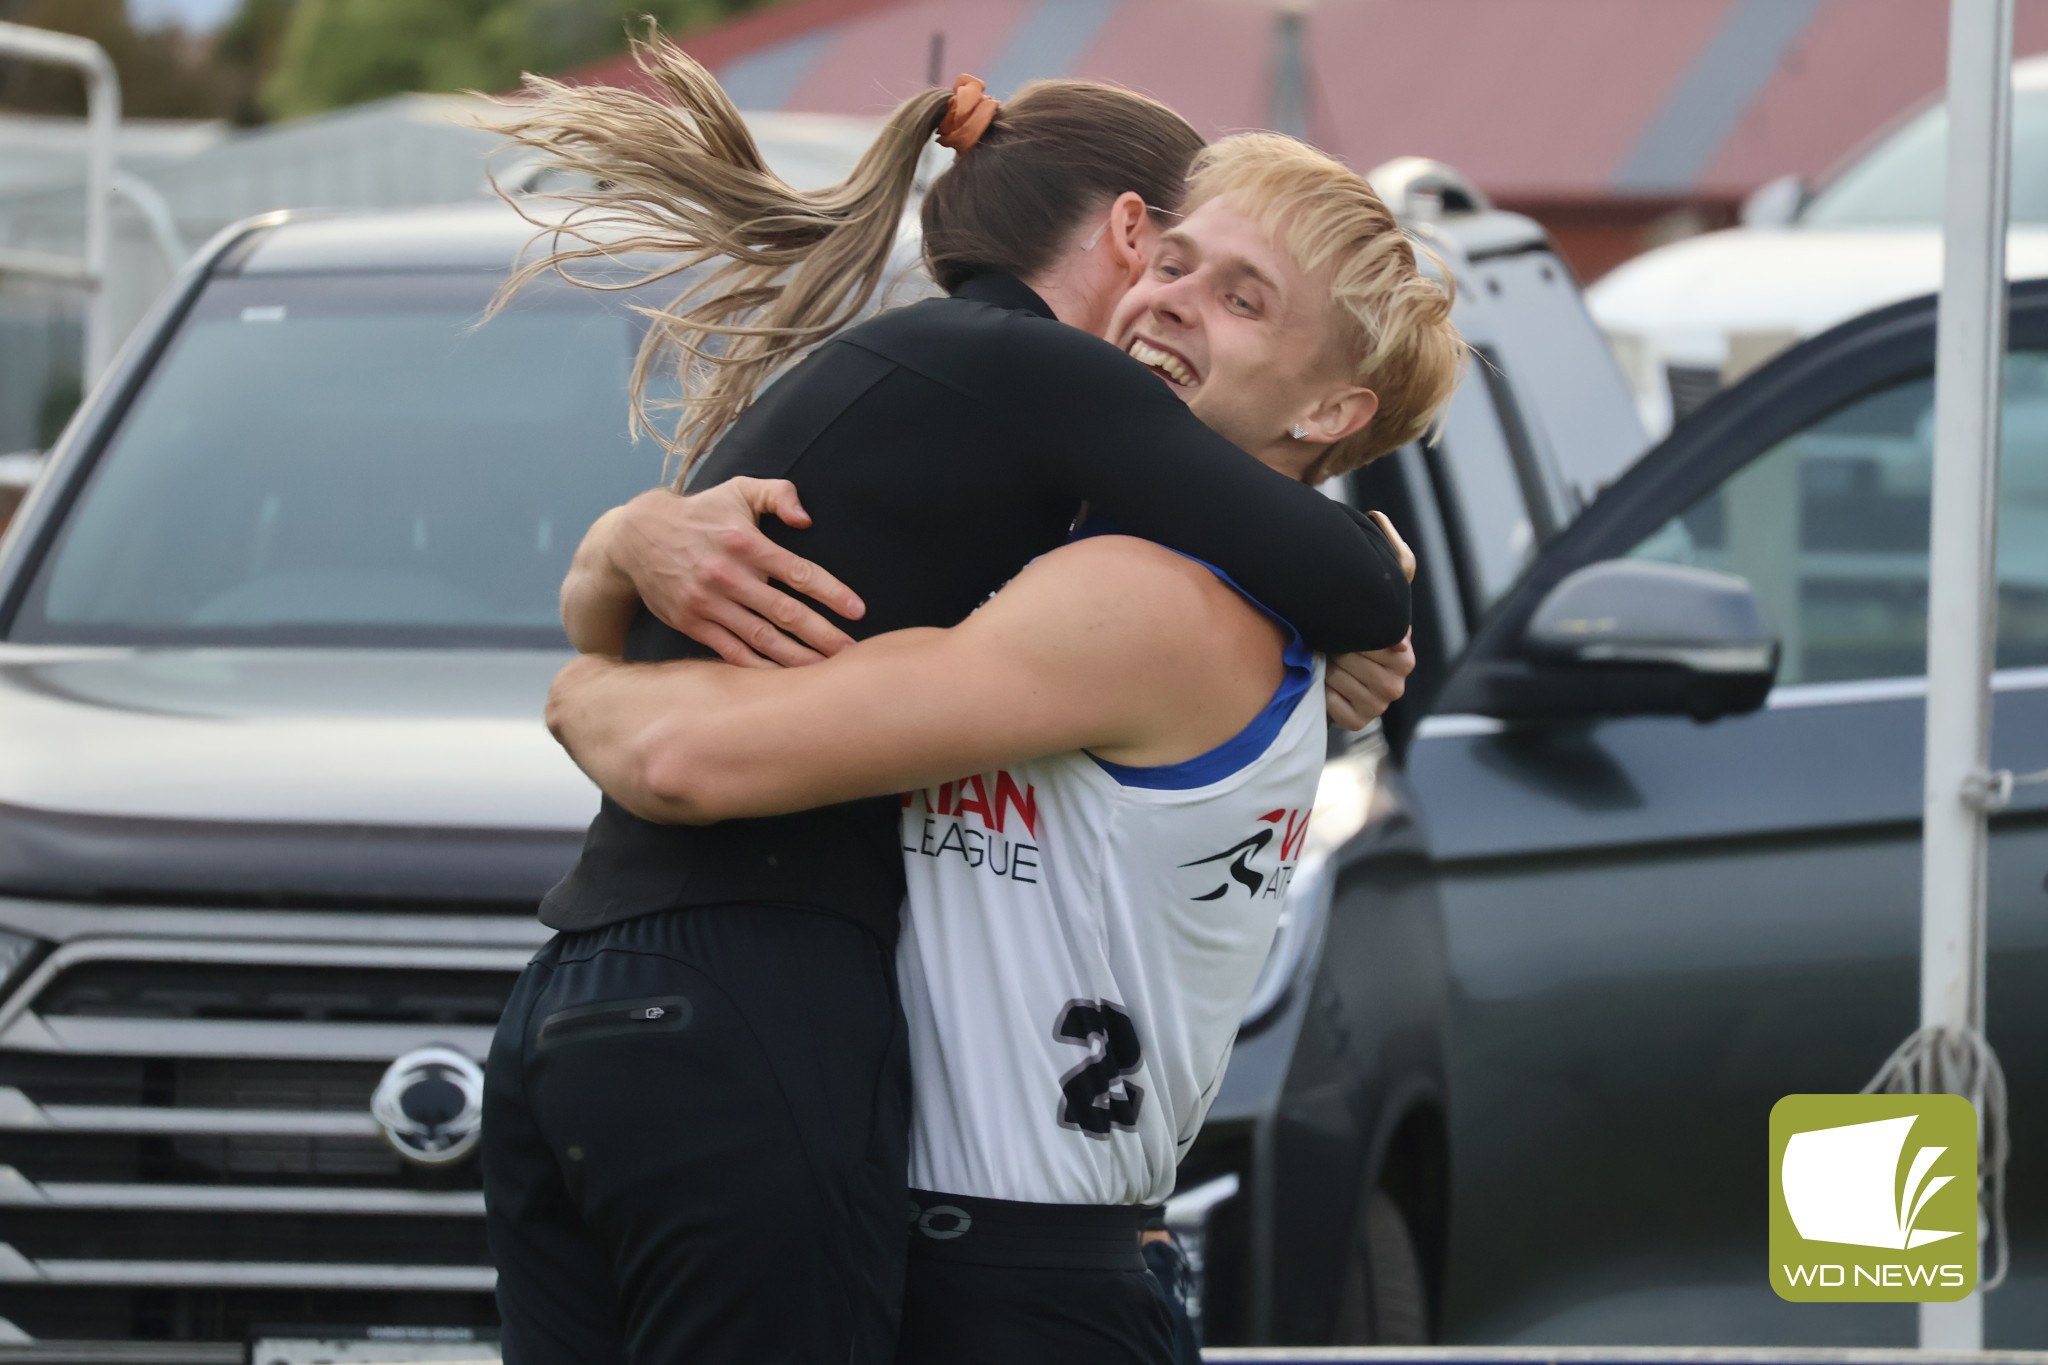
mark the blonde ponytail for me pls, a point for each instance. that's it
(683, 178)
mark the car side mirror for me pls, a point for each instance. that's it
(1630, 637)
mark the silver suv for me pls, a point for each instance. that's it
(276, 805)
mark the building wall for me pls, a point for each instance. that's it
(1598, 234)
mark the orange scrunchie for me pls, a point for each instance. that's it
(968, 116)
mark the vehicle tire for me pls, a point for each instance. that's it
(1383, 1300)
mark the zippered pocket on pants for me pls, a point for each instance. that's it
(615, 1019)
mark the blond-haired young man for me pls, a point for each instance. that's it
(1253, 201)
(1090, 905)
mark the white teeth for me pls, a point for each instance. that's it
(1163, 360)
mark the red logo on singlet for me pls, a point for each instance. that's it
(984, 819)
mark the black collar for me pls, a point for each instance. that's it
(1004, 291)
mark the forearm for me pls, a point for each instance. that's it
(605, 713)
(1309, 559)
(1303, 556)
(598, 599)
(1111, 645)
(695, 742)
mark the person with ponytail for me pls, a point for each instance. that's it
(696, 1108)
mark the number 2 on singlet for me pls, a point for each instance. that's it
(1096, 1097)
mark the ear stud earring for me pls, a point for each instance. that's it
(1300, 432)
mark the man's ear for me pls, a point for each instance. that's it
(1130, 235)
(1341, 413)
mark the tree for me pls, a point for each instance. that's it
(247, 49)
(279, 58)
(340, 52)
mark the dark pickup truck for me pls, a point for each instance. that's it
(1598, 910)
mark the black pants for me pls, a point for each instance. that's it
(695, 1137)
(992, 1282)
(1168, 1263)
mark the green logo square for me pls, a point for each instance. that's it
(1873, 1198)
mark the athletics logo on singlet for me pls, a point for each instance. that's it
(1007, 818)
(1236, 864)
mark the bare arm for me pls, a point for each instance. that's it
(702, 565)
(1110, 644)
(598, 599)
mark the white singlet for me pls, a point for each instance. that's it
(1078, 946)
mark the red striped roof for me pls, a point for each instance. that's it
(1531, 98)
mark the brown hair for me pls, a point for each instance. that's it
(684, 178)
(1392, 321)
(1057, 152)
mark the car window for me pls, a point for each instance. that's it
(1830, 528)
(1472, 451)
(1899, 182)
(351, 460)
(1577, 403)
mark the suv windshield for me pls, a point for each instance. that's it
(1898, 183)
(343, 460)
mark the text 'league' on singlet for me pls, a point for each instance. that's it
(1079, 942)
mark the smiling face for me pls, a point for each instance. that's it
(1234, 327)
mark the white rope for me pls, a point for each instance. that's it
(1992, 792)
(1942, 1061)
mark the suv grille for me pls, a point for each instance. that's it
(186, 1145)
(171, 990)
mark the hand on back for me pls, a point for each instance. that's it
(702, 565)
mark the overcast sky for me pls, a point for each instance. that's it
(193, 14)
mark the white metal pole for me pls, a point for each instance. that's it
(103, 124)
(156, 213)
(1961, 586)
(103, 117)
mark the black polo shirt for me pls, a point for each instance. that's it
(939, 449)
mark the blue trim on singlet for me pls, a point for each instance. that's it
(1244, 748)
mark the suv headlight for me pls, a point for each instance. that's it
(1343, 805)
(17, 953)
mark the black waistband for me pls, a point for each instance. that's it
(844, 860)
(1006, 1232)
